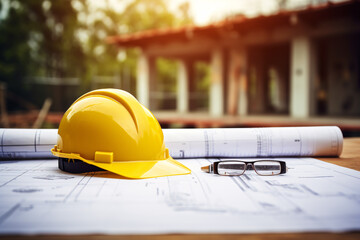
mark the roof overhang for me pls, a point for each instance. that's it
(240, 25)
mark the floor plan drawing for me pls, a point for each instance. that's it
(36, 197)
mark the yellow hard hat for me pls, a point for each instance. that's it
(111, 130)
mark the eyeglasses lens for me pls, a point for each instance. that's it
(231, 168)
(267, 168)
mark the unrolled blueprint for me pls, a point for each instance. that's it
(194, 143)
(37, 198)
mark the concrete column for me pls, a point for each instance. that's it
(300, 80)
(182, 98)
(237, 87)
(146, 74)
(142, 80)
(217, 83)
(243, 98)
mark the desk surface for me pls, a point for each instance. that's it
(349, 158)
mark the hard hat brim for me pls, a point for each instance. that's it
(134, 169)
(144, 169)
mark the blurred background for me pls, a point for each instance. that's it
(199, 63)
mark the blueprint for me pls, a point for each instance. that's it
(37, 198)
(254, 142)
(17, 143)
(202, 142)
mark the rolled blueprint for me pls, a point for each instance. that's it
(27, 143)
(199, 143)
(254, 142)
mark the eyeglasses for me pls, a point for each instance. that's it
(237, 168)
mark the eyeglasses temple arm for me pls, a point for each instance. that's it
(284, 169)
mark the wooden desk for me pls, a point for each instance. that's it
(349, 158)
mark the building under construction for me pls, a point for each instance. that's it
(289, 68)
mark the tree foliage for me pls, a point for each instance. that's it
(62, 39)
